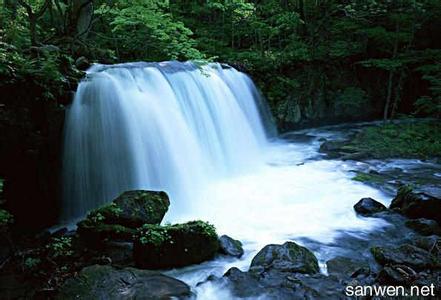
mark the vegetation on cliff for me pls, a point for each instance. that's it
(314, 60)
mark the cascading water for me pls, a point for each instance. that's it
(199, 134)
(161, 126)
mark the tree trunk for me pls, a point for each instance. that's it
(390, 79)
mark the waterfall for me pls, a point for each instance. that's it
(160, 126)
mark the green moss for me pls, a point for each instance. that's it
(98, 231)
(412, 140)
(170, 246)
(377, 252)
(157, 234)
(109, 210)
(367, 177)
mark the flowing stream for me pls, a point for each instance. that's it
(204, 135)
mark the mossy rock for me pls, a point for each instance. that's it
(133, 209)
(288, 257)
(96, 232)
(106, 282)
(161, 247)
(120, 219)
(416, 205)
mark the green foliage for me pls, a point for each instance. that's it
(6, 219)
(419, 140)
(31, 263)
(145, 31)
(431, 104)
(352, 101)
(60, 247)
(308, 57)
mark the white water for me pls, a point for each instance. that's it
(199, 135)
(167, 126)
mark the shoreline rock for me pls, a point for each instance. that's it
(106, 282)
(172, 246)
(230, 246)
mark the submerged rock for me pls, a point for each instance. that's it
(106, 282)
(424, 226)
(417, 205)
(408, 255)
(160, 247)
(288, 257)
(368, 207)
(230, 246)
(119, 219)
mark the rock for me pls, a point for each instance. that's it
(120, 219)
(243, 284)
(424, 226)
(345, 267)
(396, 275)
(282, 285)
(429, 243)
(95, 233)
(409, 255)
(158, 247)
(135, 208)
(417, 205)
(229, 246)
(106, 282)
(120, 252)
(82, 63)
(288, 257)
(368, 206)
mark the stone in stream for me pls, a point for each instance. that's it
(135, 208)
(230, 246)
(341, 266)
(430, 243)
(424, 226)
(160, 247)
(408, 255)
(396, 275)
(288, 257)
(287, 271)
(417, 205)
(119, 219)
(106, 282)
(368, 207)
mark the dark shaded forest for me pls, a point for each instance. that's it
(316, 62)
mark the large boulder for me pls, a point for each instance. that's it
(106, 282)
(288, 257)
(230, 246)
(417, 205)
(368, 206)
(135, 208)
(119, 219)
(160, 247)
(408, 255)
